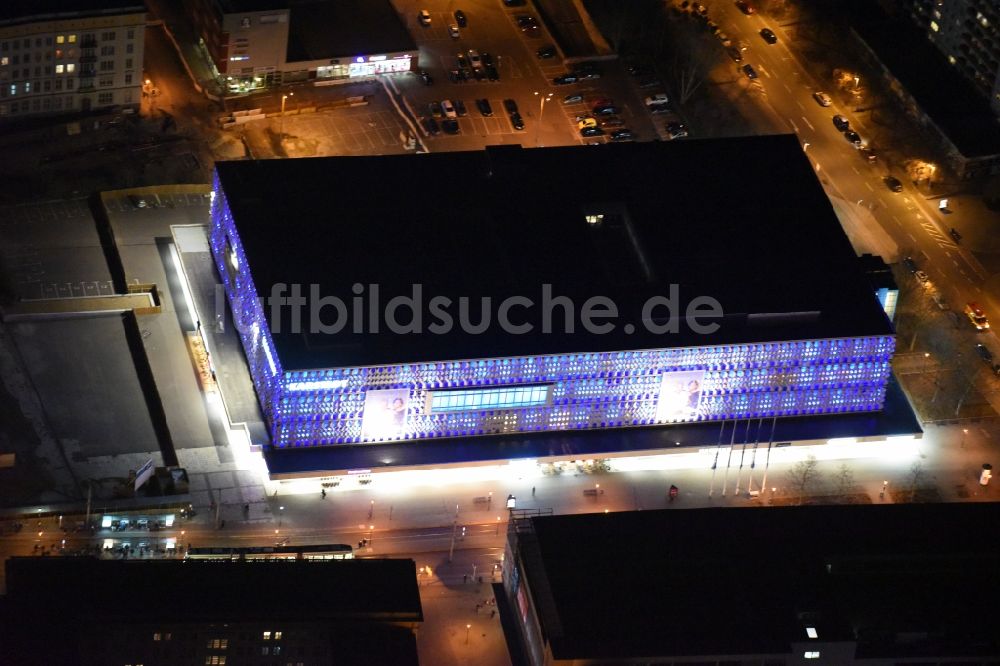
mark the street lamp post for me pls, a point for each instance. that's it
(965, 431)
(281, 514)
(281, 121)
(371, 533)
(467, 628)
(542, 99)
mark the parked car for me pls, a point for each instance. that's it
(613, 121)
(853, 137)
(425, 17)
(453, 31)
(841, 123)
(484, 107)
(435, 109)
(650, 83)
(608, 110)
(460, 108)
(750, 72)
(547, 51)
(517, 121)
(868, 154)
(431, 126)
(676, 130)
(735, 54)
(585, 121)
(573, 99)
(984, 353)
(565, 79)
(475, 59)
(492, 73)
(450, 126)
(448, 109)
(487, 59)
(527, 24)
(822, 98)
(463, 62)
(600, 101)
(591, 131)
(510, 106)
(977, 316)
(637, 70)
(893, 183)
(656, 100)
(745, 7)
(460, 18)
(769, 36)
(910, 264)
(426, 78)
(623, 135)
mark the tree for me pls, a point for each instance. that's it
(844, 479)
(802, 475)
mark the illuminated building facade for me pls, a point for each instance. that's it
(374, 388)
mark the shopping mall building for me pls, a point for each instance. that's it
(536, 303)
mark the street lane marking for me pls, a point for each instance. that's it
(792, 123)
(912, 238)
(786, 87)
(869, 186)
(806, 121)
(855, 170)
(800, 105)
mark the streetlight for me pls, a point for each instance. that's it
(965, 431)
(498, 526)
(542, 99)
(467, 628)
(371, 532)
(281, 122)
(281, 514)
(371, 510)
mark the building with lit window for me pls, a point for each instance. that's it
(259, 43)
(968, 34)
(787, 586)
(67, 57)
(168, 612)
(800, 334)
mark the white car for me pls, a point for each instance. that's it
(657, 100)
(449, 109)
(453, 30)
(425, 17)
(474, 59)
(822, 98)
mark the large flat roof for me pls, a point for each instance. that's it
(344, 29)
(740, 220)
(895, 578)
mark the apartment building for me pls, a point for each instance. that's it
(66, 56)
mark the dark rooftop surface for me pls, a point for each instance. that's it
(241, 591)
(896, 419)
(942, 92)
(321, 29)
(15, 10)
(740, 220)
(731, 581)
(236, 6)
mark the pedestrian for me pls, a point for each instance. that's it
(465, 578)
(493, 613)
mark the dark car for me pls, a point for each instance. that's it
(517, 121)
(910, 264)
(426, 78)
(984, 353)
(676, 130)
(491, 73)
(735, 54)
(487, 59)
(565, 79)
(450, 126)
(638, 70)
(460, 108)
(455, 75)
(510, 106)
(573, 99)
(478, 74)
(623, 135)
(431, 126)
(613, 121)
(769, 36)
(528, 25)
(745, 7)
(547, 51)
(587, 70)
(591, 131)
(484, 107)
(607, 110)
(893, 183)
(853, 137)
(841, 123)
(750, 72)
(868, 154)
(435, 109)
(460, 18)
(463, 62)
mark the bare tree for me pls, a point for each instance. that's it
(844, 479)
(802, 475)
